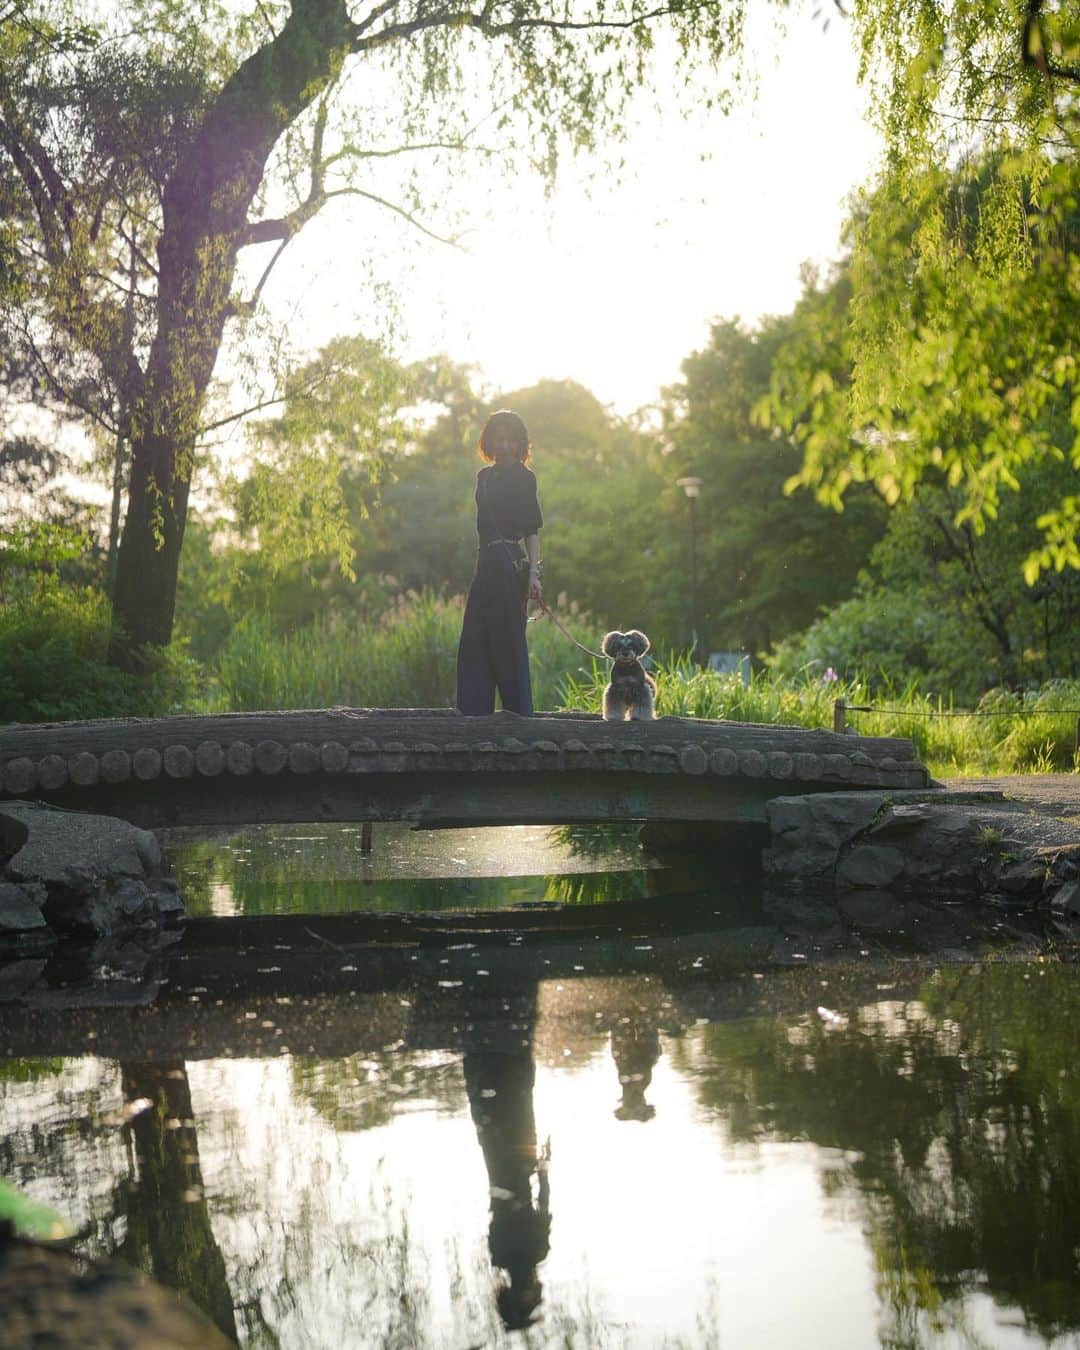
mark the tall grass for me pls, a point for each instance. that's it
(407, 659)
(1008, 734)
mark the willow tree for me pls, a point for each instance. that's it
(143, 157)
(965, 272)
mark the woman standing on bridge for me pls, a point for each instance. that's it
(492, 653)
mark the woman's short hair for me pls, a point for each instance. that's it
(509, 421)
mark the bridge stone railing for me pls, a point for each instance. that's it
(434, 765)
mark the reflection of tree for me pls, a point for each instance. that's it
(964, 1126)
(595, 888)
(169, 1234)
(499, 1079)
(29, 1070)
(600, 841)
(360, 1092)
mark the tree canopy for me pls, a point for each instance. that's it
(142, 158)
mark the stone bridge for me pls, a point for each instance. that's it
(436, 768)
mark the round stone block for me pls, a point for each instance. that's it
(52, 772)
(209, 758)
(20, 775)
(146, 763)
(781, 765)
(179, 761)
(808, 766)
(333, 757)
(116, 766)
(692, 759)
(303, 757)
(270, 757)
(753, 763)
(723, 761)
(837, 766)
(83, 769)
(239, 758)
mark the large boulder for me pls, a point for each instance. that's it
(69, 873)
(933, 843)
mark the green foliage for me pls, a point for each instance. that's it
(140, 168)
(340, 425)
(685, 690)
(964, 276)
(944, 604)
(766, 561)
(53, 668)
(45, 532)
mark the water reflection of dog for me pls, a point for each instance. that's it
(635, 1047)
(500, 1088)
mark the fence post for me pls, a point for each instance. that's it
(839, 716)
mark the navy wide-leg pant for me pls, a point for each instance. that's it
(492, 653)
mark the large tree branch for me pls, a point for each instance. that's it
(363, 41)
(286, 227)
(274, 401)
(44, 208)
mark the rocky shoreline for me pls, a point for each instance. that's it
(954, 844)
(93, 879)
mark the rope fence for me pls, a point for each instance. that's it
(841, 708)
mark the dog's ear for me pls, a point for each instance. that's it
(639, 640)
(609, 638)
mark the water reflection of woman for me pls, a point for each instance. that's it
(500, 1088)
(492, 653)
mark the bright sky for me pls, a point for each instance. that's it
(712, 218)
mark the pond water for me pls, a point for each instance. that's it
(758, 1122)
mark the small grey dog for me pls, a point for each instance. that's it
(631, 690)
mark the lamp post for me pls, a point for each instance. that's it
(692, 487)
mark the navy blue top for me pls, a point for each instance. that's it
(506, 503)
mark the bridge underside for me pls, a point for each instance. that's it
(436, 768)
(435, 801)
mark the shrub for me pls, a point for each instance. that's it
(53, 668)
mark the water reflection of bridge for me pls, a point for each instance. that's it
(435, 767)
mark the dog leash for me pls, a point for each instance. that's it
(550, 614)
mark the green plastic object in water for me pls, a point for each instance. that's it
(31, 1219)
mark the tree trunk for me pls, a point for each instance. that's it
(148, 561)
(205, 213)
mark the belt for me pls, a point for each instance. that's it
(491, 542)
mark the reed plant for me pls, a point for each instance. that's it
(1006, 732)
(407, 658)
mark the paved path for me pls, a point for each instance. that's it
(1052, 794)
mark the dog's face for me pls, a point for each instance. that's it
(625, 646)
